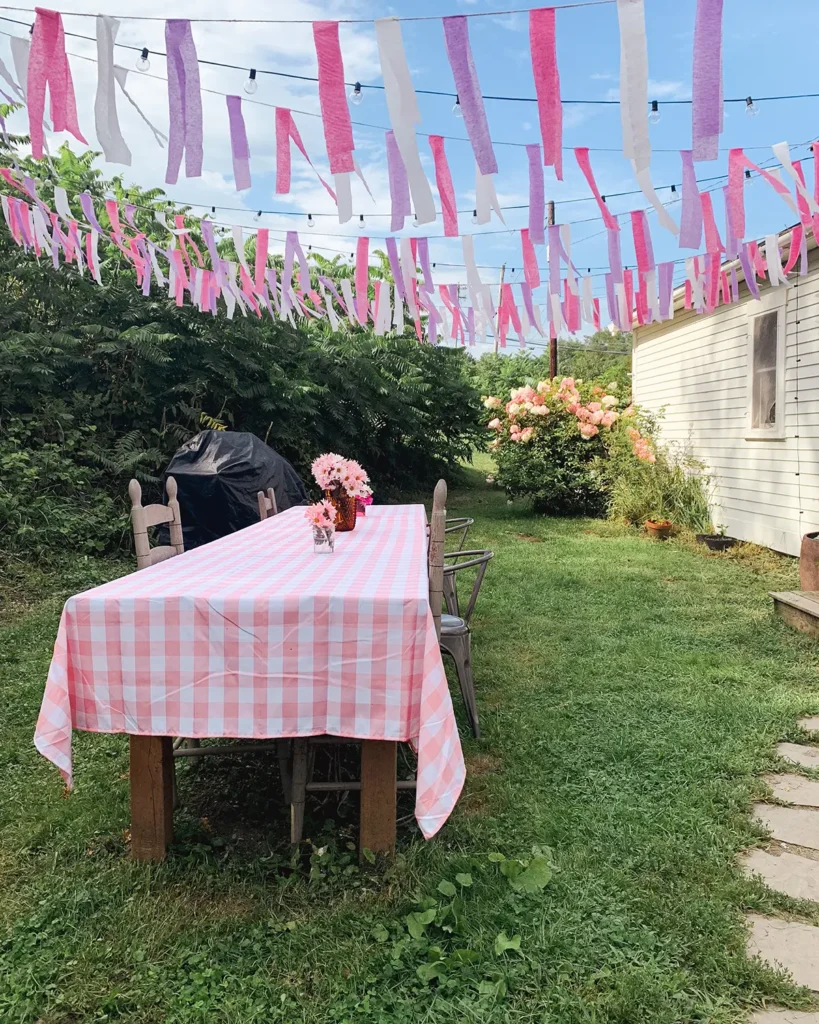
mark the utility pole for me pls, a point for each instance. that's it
(500, 299)
(550, 219)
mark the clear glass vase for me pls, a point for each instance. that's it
(324, 540)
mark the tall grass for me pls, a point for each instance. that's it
(673, 487)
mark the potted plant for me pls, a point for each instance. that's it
(718, 541)
(659, 529)
(343, 481)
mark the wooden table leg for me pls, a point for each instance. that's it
(378, 794)
(151, 796)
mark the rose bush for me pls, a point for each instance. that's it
(551, 442)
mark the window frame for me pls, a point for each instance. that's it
(773, 300)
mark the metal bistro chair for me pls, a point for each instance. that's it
(456, 632)
(304, 748)
(267, 504)
(460, 525)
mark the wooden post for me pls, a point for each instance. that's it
(550, 220)
(500, 299)
(378, 796)
(151, 796)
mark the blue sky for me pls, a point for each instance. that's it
(762, 57)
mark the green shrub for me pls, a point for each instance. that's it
(672, 488)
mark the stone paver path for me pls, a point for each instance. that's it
(798, 825)
(794, 789)
(785, 872)
(784, 1017)
(787, 944)
(808, 757)
(809, 724)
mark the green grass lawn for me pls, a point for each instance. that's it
(631, 695)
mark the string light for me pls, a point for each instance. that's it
(257, 216)
(654, 115)
(748, 179)
(673, 189)
(751, 109)
(251, 85)
(415, 223)
(361, 222)
(142, 63)
(456, 110)
(474, 216)
(356, 96)
(310, 222)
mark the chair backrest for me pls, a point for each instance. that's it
(437, 539)
(459, 525)
(267, 504)
(472, 559)
(145, 516)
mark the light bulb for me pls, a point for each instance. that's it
(310, 222)
(415, 223)
(251, 85)
(142, 63)
(356, 96)
(654, 114)
(257, 216)
(748, 179)
(456, 110)
(751, 109)
(361, 222)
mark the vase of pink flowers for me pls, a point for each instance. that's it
(343, 481)
(322, 517)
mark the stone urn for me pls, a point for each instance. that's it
(809, 562)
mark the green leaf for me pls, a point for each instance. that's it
(417, 922)
(496, 858)
(429, 972)
(510, 869)
(446, 888)
(380, 933)
(503, 942)
(464, 878)
(368, 855)
(537, 876)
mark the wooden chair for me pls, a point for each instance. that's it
(302, 772)
(143, 517)
(267, 504)
(456, 632)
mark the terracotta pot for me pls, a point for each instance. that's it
(659, 530)
(809, 562)
(345, 510)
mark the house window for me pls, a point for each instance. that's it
(766, 367)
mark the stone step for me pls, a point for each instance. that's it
(799, 753)
(794, 789)
(798, 825)
(786, 944)
(784, 1017)
(809, 724)
(785, 872)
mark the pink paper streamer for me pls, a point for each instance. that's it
(239, 147)
(707, 98)
(395, 268)
(262, 241)
(542, 41)
(400, 206)
(362, 278)
(583, 162)
(335, 113)
(643, 249)
(443, 179)
(285, 131)
(528, 305)
(736, 191)
(797, 236)
(184, 101)
(666, 287)
(459, 53)
(537, 204)
(615, 256)
(628, 285)
(691, 220)
(530, 267)
(713, 243)
(48, 65)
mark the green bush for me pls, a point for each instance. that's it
(672, 488)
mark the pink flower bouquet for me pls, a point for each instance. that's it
(322, 517)
(342, 476)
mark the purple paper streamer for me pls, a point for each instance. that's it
(691, 219)
(537, 208)
(470, 325)
(528, 305)
(292, 239)
(665, 273)
(87, 204)
(129, 211)
(239, 147)
(273, 285)
(399, 185)
(459, 53)
(555, 246)
(615, 256)
(184, 101)
(707, 98)
(206, 228)
(329, 284)
(748, 269)
(734, 284)
(611, 299)
(423, 260)
(803, 255)
(395, 267)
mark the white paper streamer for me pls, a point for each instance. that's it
(398, 314)
(347, 292)
(473, 277)
(105, 103)
(239, 242)
(61, 202)
(652, 294)
(587, 300)
(383, 313)
(634, 83)
(782, 152)
(94, 261)
(625, 312)
(5, 74)
(773, 258)
(344, 196)
(402, 106)
(486, 198)
(409, 273)
(159, 217)
(647, 188)
(360, 174)
(121, 76)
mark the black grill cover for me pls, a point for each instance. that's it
(219, 474)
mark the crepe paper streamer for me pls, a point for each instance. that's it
(121, 76)
(395, 267)
(773, 259)
(583, 162)
(87, 204)
(528, 305)
(647, 188)
(20, 51)
(741, 161)
(423, 260)
(184, 238)
(5, 74)
(184, 101)
(61, 202)
(473, 277)
(443, 179)
(344, 197)
(731, 241)
(239, 148)
(587, 298)
(634, 83)
(713, 243)
(758, 261)
(285, 131)
(628, 291)
(335, 113)
(48, 66)
(402, 106)
(262, 243)
(459, 54)
(362, 278)
(691, 219)
(106, 120)
(802, 202)
(399, 185)
(615, 257)
(537, 205)
(530, 267)
(643, 248)
(707, 98)
(543, 44)
(486, 198)
(782, 152)
(239, 244)
(409, 273)
(293, 244)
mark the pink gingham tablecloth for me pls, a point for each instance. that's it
(256, 636)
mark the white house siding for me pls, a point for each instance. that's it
(695, 368)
